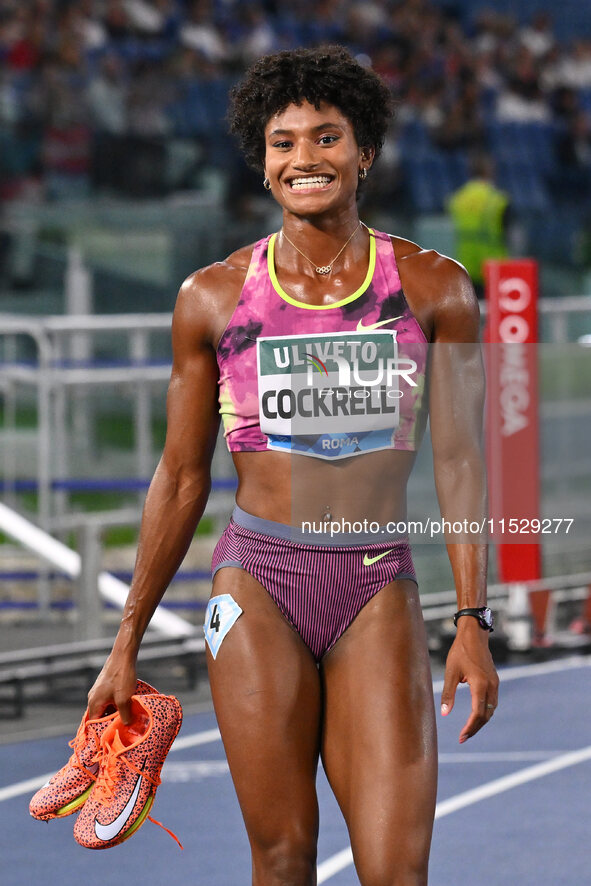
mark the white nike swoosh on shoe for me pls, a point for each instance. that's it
(109, 831)
(361, 327)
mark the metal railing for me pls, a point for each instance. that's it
(56, 363)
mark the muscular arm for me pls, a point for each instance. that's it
(456, 403)
(178, 492)
(442, 297)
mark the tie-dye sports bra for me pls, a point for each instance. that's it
(329, 381)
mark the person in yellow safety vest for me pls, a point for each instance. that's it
(478, 210)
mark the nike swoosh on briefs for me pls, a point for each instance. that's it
(361, 327)
(367, 561)
(109, 831)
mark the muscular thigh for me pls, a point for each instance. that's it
(266, 692)
(379, 737)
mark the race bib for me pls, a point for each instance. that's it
(331, 395)
(221, 615)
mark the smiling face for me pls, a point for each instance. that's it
(312, 159)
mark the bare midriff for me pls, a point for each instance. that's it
(291, 489)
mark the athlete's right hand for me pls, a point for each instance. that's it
(114, 686)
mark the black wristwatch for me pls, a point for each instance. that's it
(483, 615)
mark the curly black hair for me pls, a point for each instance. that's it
(326, 74)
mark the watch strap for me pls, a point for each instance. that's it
(478, 614)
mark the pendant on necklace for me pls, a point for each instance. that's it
(324, 269)
(327, 516)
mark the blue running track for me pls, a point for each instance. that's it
(513, 808)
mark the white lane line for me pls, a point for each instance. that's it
(497, 756)
(333, 865)
(31, 784)
(23, 787)
(506, 782)
(191, 741)
(533, 670)
(343, 859)
(545, 667)
(193, 770)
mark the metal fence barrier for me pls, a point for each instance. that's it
(62, 369)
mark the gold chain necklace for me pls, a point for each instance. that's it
(322, 269)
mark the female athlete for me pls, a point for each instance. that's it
(312, 344)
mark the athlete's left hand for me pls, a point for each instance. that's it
(469, 661)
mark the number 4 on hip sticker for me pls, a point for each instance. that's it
(221, 614)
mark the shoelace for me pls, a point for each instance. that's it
(77, 744)
(104, 788)
(107, 758)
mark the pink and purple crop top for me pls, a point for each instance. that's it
(328, 381)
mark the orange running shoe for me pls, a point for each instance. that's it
(131, 759)
(68, 789)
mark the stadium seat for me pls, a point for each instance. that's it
(525, 185)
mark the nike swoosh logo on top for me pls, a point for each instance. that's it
(367, 561)
(109, 831)
(361, 327)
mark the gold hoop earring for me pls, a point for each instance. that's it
(362, 174)
(267, 185)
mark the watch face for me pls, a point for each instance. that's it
(487, 617)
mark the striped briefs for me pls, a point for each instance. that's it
(319, 582)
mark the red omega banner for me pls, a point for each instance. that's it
(512, 422)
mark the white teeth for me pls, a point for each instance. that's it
(317, 181)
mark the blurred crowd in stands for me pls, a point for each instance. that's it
(129, 96)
